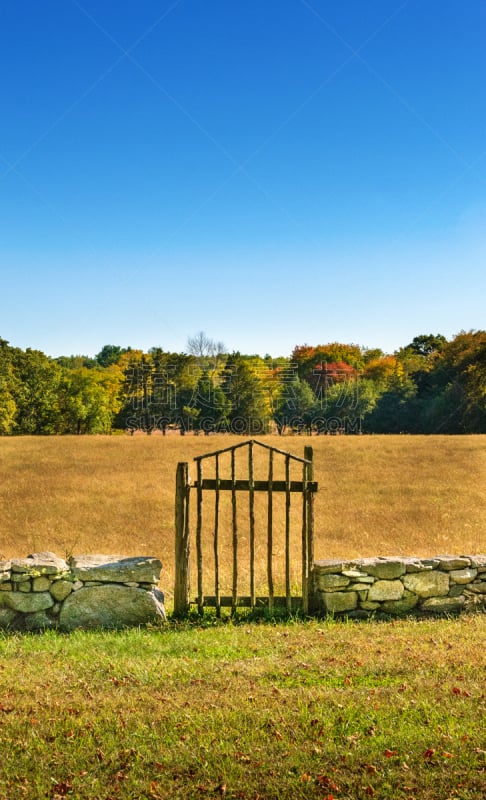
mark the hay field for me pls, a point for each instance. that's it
(378, 495)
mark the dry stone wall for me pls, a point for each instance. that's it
(94, 591)
(397, 586)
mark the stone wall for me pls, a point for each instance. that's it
(385, 586)
(44, 591)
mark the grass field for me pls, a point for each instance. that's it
(316, 710)
(378, 495)
(270, 711)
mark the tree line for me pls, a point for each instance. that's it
(433, 385)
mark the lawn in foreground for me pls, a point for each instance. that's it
(318, 709)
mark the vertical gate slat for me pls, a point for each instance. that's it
(216, 543)
(252, 525)
(270, 532)
(309, 456)
(287, 534)
(235, 535)
(305, 559)
(200, 596)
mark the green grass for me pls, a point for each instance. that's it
(238, 710)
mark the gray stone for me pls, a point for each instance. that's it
(352, 573)
(416, 565)
(453, 562)
(41, 584)
(7, 618)
(20, 577)
(40, 564)
(365, 579)
(386, 569)
(369, 606)
(332, 583)
(6, 587)
(408, 601)
(5, 566)
(455, 590)
(463, 575)
(478, 561)
(427, 584)
(322, 567)
(362, 588)
(28, 603)
(430, 562)
(24, 587)
(38, 621)
(338, 602)
(479, 587)
(77, 585)
(386, 590)
(116, 569)
(4, 577)
(444, 605)
(111, 606)
(60, 589)
(55, 609)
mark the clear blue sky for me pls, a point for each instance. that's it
(273, 172)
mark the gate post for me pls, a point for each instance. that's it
(182, 541)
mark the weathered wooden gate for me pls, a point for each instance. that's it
(306, 487)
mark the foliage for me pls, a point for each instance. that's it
(8, 382)
(431, 385)
(296, 405)
(36, 392)
(250, 410)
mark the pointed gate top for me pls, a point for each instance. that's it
(252, 442)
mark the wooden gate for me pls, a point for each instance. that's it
(306, 487)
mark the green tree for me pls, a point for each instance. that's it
(36, 392)
(8, 407)
(249, 406)
(296, 405)
(90, 400)
(110, 354)
(209, 407)
(453, 399)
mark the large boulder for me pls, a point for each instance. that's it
(111, 606)
(116, 569)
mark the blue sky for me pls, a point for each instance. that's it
(273, 172)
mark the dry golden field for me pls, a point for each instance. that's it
(378, 495)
